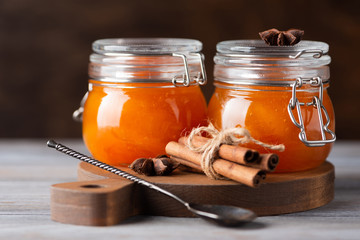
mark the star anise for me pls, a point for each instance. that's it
(160, 166)
(274, 37)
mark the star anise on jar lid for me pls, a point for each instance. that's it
(274, 37)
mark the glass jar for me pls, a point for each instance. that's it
(278, 93)
(142, 94)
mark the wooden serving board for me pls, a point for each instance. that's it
(101, 198)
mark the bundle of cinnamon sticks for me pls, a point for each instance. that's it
(240, 164)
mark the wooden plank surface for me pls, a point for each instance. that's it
(28, 169)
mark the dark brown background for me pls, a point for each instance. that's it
(45, 45)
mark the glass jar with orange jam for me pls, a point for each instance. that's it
(278, 93)
(142, 94)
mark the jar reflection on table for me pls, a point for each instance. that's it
(261, 105)
(126, 120)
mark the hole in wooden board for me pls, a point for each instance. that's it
(91, 186)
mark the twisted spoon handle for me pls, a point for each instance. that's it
(68, 151)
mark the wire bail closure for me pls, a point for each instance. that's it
(317, 53)
(185, 80)
(317, 102)
(78, 113)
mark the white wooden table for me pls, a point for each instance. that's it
(28, 168)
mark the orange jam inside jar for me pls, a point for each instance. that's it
(142, 94)
(279, 94)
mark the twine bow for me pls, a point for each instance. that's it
(230, 136)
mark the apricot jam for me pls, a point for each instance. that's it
(262, 88)
(141, 96)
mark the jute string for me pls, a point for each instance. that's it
(230, 136)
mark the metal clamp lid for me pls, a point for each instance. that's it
(78, 113)
(318, 53)
(318, 104)
(185, 80)
(116, 59)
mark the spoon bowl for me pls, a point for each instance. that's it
(224, 215)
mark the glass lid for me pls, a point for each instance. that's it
(260, 48)
(146, 46)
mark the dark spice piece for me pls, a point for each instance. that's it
(143, 166)
(274, 37)
(164, 166)
(160, 166)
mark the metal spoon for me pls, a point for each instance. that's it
(219, 214)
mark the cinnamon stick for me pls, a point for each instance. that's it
(240, 173)
(184, 168)
(236, 154)
(187, 163)
(266, 162)
(243, 174)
